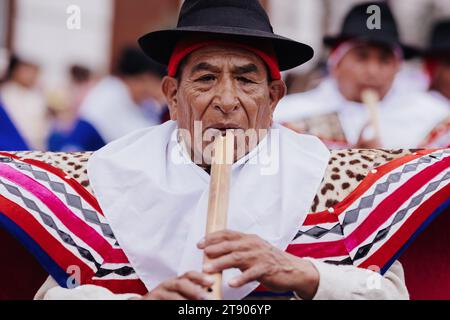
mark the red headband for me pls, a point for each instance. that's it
(263, 50)
(431, 65)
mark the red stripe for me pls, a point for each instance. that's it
(338, 247)
(61, 255)
(410, 226)
(366, 183)
(313, 219)
(318, 250)
(82, 191)
(65, 215)
(439, 131)
(391, 203)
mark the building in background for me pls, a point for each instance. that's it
(4, 27)
(38, 31)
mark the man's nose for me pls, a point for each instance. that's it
(226, 99)
(373, 68)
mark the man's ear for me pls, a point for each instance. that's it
(398, 65)
(169, 87)
(277, 90)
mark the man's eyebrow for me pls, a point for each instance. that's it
(204, 66)
(248, 68)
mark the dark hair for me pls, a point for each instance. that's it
(133, 61)
(181, 68)
(13, 63)
(79, 73)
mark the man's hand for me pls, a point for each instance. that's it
(258, 260)
(190, 286)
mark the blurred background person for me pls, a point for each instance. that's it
(65, 103)
(24, 103)
(117, 105)
(437, 61)
(437, 65)
(363, 59)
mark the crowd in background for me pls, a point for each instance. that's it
(412, 86)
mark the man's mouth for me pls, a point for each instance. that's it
(370, 87)
(223, 128)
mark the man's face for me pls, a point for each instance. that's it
(366, 67)
(143, 87)
(222, 88)
(26, 75)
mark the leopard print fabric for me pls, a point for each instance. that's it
(345, 170)
(73, 164)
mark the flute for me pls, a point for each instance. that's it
(219, 189)
(371, 99)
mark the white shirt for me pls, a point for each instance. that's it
(111, 110)
(28, 112)
(406, 117)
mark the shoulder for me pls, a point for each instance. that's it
(419, 99)
(133, 142)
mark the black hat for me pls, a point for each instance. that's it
(439, 43)
(133, 62)
(242, 18)
(355, 26)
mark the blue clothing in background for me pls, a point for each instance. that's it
(10, 138)
(83, 137)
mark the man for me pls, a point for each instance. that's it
(117, 105)
(437, 64)
(24, 103)
(361, 59)
(224, 64)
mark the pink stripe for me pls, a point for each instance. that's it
(67, 217)
(391, 204)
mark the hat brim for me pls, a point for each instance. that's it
(159, 45)
(409, 52)
(436, 52)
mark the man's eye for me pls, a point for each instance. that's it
(207, 78)
(386, 58)
(244, 80)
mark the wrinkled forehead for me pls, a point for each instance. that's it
(225, 58)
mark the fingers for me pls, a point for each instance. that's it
(198, 278)
(236, 259)
(217, 237)
(189, 286)
(187, 289)
(220, 249)
(247, 276)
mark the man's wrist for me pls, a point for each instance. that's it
(306, 279)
